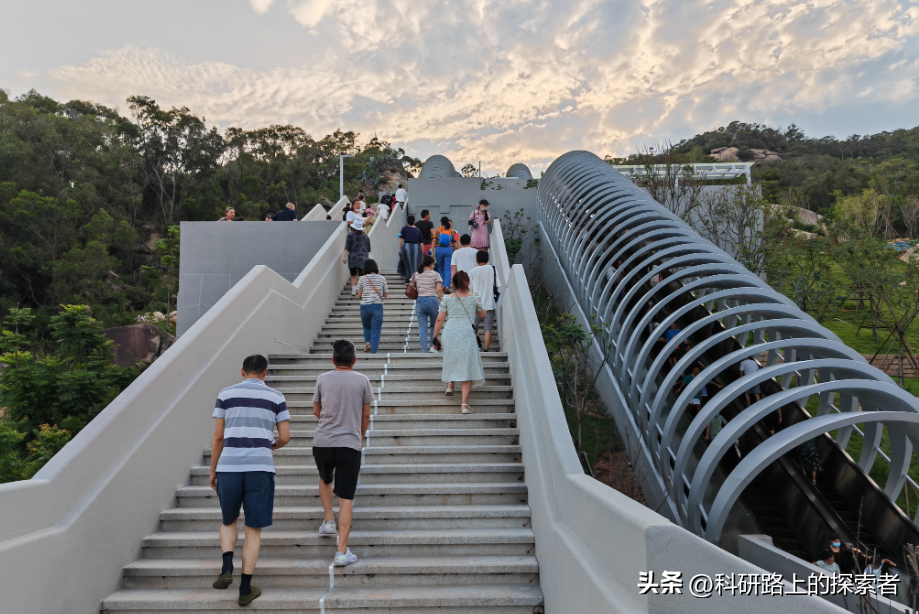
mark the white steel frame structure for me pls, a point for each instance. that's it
(613, 241)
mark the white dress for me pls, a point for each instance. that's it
(462, 361)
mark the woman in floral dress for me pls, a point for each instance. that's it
(809, 459)
(462, 362)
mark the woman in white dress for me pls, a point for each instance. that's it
(462, 362)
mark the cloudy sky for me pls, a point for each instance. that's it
(496, 81)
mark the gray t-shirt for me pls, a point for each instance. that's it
(342, 395)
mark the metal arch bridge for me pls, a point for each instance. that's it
(640, 268)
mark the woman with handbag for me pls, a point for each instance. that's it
(427, 290)
(371, 288)
(462, 362)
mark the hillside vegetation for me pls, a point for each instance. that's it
(90, 202)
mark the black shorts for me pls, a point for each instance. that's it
(253, 491)
(344, 464)
(355, 272)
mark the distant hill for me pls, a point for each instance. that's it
(792, 142)
(808, 172)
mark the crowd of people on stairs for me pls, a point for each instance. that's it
(455, 290)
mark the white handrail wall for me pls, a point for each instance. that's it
(384, 240)
(83, 516)
(335, 211)
(316, 214)
(502, 266)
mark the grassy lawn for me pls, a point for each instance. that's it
(845, 323)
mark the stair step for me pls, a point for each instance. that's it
(290, 475)
(309, 544)
(395, 395)
(437, 388)
(394, 357)
(388, 518)
(469, 599)
(313, 572)
(423, 421)
(379, 494)
(446, 437)
(408, 455)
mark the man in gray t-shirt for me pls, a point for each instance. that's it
(341, 402)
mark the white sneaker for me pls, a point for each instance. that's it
(344, 559)
(328, 528)
(433, 350)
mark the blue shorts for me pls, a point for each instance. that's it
(251, 490)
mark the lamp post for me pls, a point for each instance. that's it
(341, 174)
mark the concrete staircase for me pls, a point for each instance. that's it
(441, 521)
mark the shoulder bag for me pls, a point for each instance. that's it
(411, 288)
(475, 331)
(494, 287)
(367, 277)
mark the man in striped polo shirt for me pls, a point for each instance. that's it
(242, 468)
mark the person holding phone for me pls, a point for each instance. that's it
(478, 223)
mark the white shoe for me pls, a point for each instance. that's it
(433, 350)
(466, 409)
(328, 528)
(449, 391)
(344, 559)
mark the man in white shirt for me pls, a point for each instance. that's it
(483, 281)
(400, 197)
(464, 257)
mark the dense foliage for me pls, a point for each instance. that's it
(85, 193)
(91, 201)
(49, 396)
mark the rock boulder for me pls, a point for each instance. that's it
(138, 342)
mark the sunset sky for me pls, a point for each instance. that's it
(499, 82)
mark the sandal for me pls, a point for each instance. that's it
(367, 348)
(449, 392)
(466, 409)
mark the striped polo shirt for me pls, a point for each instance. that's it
(250, 410)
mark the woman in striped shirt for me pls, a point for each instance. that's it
(430, 292)
(371, 288)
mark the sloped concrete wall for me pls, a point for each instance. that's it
(215, 256)
(66, 534)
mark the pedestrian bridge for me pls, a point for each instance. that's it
(103, 504)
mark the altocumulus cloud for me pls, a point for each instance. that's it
(528, 80)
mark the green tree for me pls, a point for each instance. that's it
(49, 397)
(802, 270)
